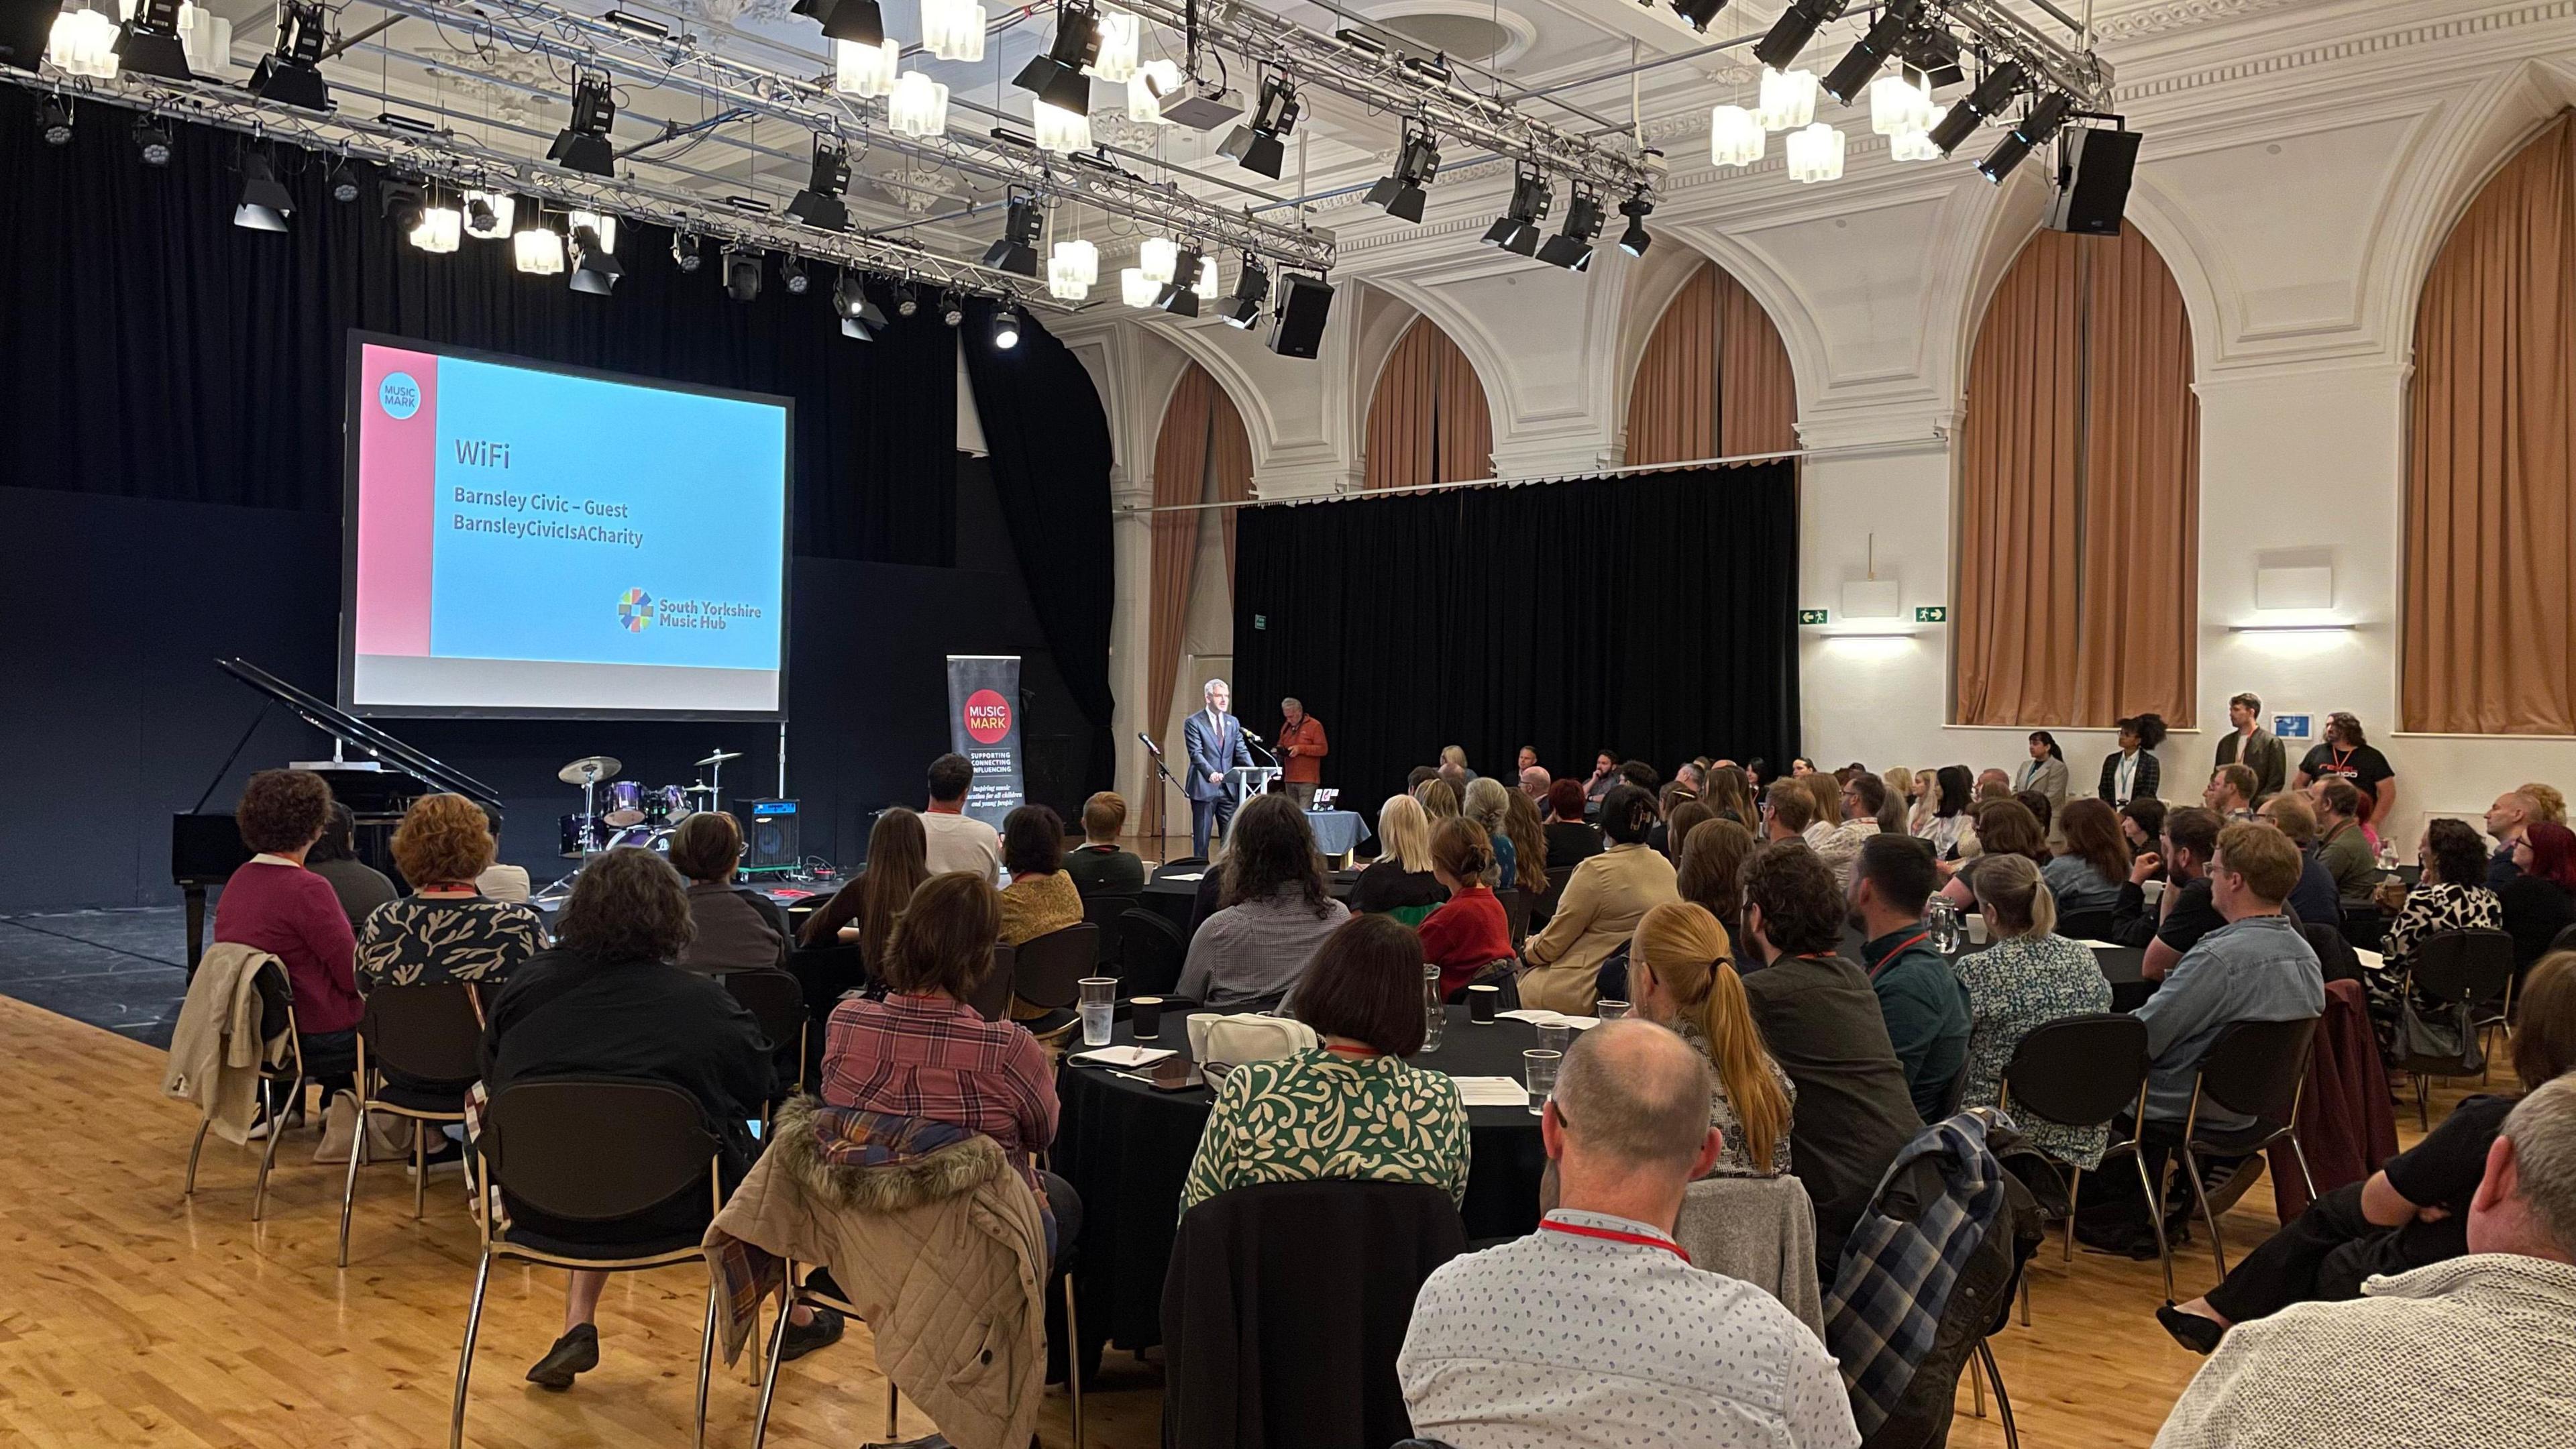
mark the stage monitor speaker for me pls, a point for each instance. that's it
(2093, 182)
(769, 837)
(1303, 308)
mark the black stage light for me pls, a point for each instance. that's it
(265, 201)
(148, 43)
(1517, 229)
(1006, 326)
(595, 269)
(1698, 13)
(1400, 192)
(1571, 247)
(1992, 94)
(291, 75)
(952, 308)
(2034, 129)
(584, 146)
(54, 120)
(1935, 52)
(1056, 77)
(791, 270)
(1885, 36)
(152, 141)
(1636, 239)
(742, 272)
(684, 251)
(860, 22)
(1790, 33)
(820, 204)
(1256, 144)
(1180, 295)
(907, 298)
(26, 28)
(403, 202)
(480, 219)
(1251, 292)
(343, 182)
(1024, 221)
(860, 319)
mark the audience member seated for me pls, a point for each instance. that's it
(498, 881)
(2028, 978)
(1681, 968)
(2041, 808)
(2313, 899)
(1599, 908)
(2540, 901)
(732, 929)
(1789, 813)
(2086, 878)
(1712, 874)
(1856, 805)
(1534, 781)
(1471, 931)
(1946, 822)
(2142, 824)
(2002, 827)
(2469, 1352)
(1275, 911)
(924, 1051)
(958, 841)
(2184, 913)
(1414, 778)
(1529, 845)
(2452, 896)
(1641, 775)
(1822, 1024)
(445, 930)
(1571, 840)
(2506, 820)
(1925, 1007)
(1439, 799)
(862, 912)
(1099, 865)
(1454, 758)
(2412, 1213)
(1674, 831)
(2132, 770)
(1595, 1331)
(1041, 896)
(272, 903)
(2257, 967)
(1605, 773)
(2341, 848)
(360, 886)
(2230, 792)
(1351, 1108)
(609, 1000)
(1399, 882)
(1487, 804)
(1728, 797)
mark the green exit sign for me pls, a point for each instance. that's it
(1261, 621)
(1931, 614)
(1811, 616)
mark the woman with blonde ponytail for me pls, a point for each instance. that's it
(1680, 969)
(2030, 977)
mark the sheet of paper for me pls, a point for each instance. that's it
(2101, 946)
(1193, 875)
(2370, 961)
(1492, 1091)
(1537, 1016)
(1124, 1056)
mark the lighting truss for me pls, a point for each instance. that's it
(2005, 33)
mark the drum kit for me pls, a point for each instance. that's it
(637, 815)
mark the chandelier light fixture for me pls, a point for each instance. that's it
(1788, 100)
(1735, 137)
(1158, 258)
(864, 70)
(1136, 289)
(1061, 131)
(1901, 103)
(953, 29)
(1816, 153)
(918, 106)
(1120, 33)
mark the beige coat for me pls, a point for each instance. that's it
(1603, 901)
(215, 1050)
(941, 1256)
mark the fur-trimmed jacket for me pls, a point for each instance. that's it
(930, 1234)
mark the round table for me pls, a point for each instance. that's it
(1126, 1148)
(1177, 900)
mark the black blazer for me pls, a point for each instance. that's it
(2148, 774)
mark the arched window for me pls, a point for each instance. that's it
(1714, 381)
(2077, 598)
(2489, 637)
(1427, 421)
(1201, 455)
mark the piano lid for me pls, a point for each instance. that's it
(359, 735)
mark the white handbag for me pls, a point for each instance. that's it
(1247, 1037)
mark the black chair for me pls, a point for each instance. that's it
(992, 998)
(2084, 1071)
(2085, 926)
(276, 1016)
(1151, 951)
(2334, 953)
(2472, 972)
(1103, 911)
(1048, 973)
(777, 999)
(1182, 866)
(1502, 973)
(427, 1033)
(1543, 909)
(2256, 1069)
(593, 1152)
(1516, 911)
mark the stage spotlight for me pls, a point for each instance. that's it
(1006, 326)
(584, 146)
(343, 182)
(1056, 77)
(1636, 238)
(1698, 13)
(403, 203)
(819, 204)
(148, 43)
(952, 309)
(265, 202)
(1516, 230)
(742, 272)
(1024, 221)
(1400, 192)
(1884, 37)
(1256, 144)
(791, 270)
(860, 319)
(1251, 294)
(1790, 33)
(684, 252)
(907, 298)
(1935, 52)
(595, 268)
(54, 120)
(1180, 295)
(1571, 247)
(1992, 94)
(152, 141)
(488, 213)
(860, 22)
(291, 74)
(2034, 130)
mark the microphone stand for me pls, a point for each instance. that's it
(1154, 752)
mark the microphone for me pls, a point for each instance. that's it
(1148, 742)
(1250, 733)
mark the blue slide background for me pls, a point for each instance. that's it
(704, 480)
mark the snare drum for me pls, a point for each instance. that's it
(625, 803)
(665, 805)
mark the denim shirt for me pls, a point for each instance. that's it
(2256, 969)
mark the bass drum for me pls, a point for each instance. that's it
(642, 837)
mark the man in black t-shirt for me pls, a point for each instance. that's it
(2347, 754)
(2187, 914)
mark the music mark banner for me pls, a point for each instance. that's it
(984, 726)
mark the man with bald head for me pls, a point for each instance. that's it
(1993, 785)
(2508, 820)
(1596, 1331)
(1534, 783)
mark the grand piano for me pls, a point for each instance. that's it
(371, 772)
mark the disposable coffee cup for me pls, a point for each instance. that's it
(1976, 930)
(1482, 1002)
(2153, 890)
(1145, 1014)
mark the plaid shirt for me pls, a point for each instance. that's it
(935, 1057)
(1895, 1277)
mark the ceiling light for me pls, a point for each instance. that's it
(2034, 129)
(1179, 295)
(1251, 292)
(1116, 55)
(1992, 94)
(441, 229)
(82, 42)
(1735, 137)
(1023, 223)
(953, 29)
(860, 319)
(1790, 33)
(487, 213)
(1788, 100)
(907, 298)
(536, 248)
(1081, 256)
(1816, 154)
(918, 107)
(1698, 13)
(54, 120)
(1881, 40)
(1516, 230)
(741, 266)
(853, 20)
(1056, 77)
(791, 270)
(820, 205)
(152, 141)
(291, 74)
(1912, 146)
(265, 202)
(1636, 238)
(952, 308)
(1571, 247)
(684, 252)
(1006, 327)
(402, 203)
(343, 182)
(1158, 257)
(1136, 289)
(149, 43)
(1207, 282)
(583, 146)
(1935, 52)
(1256, 144)
(864, 70)
(1059, 130)
(1900, 103)
(1417, 161)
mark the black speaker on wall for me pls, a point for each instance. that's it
(769, 836)
(2093, 181)
(1304, 305)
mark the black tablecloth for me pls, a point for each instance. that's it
(1127, 1148)
(1176, 898)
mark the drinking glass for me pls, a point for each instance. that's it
(1435, 1014)
(1538, 1069)
(1609, 1010)
(1099, 1000)
(1554, 1036)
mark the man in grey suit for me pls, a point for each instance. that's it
(1214, 740)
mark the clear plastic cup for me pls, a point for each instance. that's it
(1099, 1002)
(1538, 1070)
(1610, 1010)
(1555, 1037)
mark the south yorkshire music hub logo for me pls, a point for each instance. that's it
(635, 610)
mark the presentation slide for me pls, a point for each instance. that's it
(528, 541)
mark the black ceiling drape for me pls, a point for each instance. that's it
(150, 348)
(1049, 449)
(1653, 615)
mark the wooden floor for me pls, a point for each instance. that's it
(130, 1317)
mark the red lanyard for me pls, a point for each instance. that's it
(1363, 1053)
(1899, 950)
(1613, 1235)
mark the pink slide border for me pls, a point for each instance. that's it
(397, 505)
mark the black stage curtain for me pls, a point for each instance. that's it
(152, 349)
(1653, 615)
(1049, 451)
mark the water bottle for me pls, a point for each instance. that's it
(1434, 1014)
(1941, 920)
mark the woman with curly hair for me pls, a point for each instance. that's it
(446, 929)
(2452, 896)
(273, 903)
(2132, 770)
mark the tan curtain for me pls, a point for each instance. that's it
(1427, 420)
(1230, 468)
(1757, 399)
(2490, 531)
(1714, 381)
(1180, 477)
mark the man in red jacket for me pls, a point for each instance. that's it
(1302, 748)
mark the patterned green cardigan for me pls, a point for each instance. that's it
(1320, 1115)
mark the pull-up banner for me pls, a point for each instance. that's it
(984, 726)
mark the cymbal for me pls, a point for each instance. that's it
(590, 769)
(719, 757)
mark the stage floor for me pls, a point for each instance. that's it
(124, 970)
